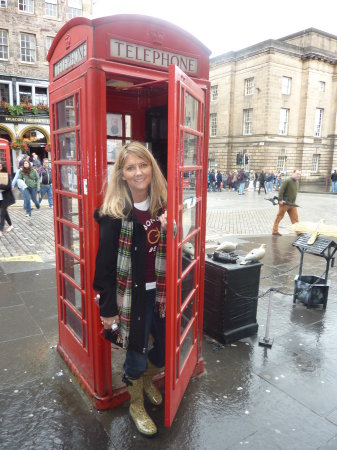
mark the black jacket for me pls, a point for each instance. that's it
(106, 273)
(7, 194)
(45, 175)
(262, 178)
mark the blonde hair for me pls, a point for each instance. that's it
(118, 201)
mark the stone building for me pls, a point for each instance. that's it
(27, 29)
(273, 106)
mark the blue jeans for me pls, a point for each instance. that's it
(30, 193)
(242, 187)
(212, 186)
(334, 186)
(46, 188)
(136, 363)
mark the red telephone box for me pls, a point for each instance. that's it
(113, 80)
(5, 155)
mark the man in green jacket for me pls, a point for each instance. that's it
(287, 193)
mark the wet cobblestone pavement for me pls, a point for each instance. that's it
(248, 397)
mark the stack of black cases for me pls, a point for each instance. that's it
(230, 302)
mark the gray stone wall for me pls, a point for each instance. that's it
(40, 26)
(267, 63)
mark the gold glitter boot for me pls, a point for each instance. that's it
(142, 420)
(150, 389)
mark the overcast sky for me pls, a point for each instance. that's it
(226, 25)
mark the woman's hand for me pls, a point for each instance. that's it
(163, 221)
(108, 321)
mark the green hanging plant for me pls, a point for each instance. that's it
(15, 110)
(26, 107)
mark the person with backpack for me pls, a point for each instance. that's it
(242, 177)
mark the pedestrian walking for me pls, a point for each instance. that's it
(22, 160)
(262, 181)
(278, 180)
(334, 181)
(287, 193)
(235, 180)
(242, 178)
(230, 180)
(45, 182)
(212, 181)
(251, 186)
(32, 180)
(269, 182)
(224, 180)
(219, 181)
(35, 160)
(130, 272)
(256, 179)
(6, 198)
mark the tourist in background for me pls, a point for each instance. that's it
(6, 198)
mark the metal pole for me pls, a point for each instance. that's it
(266, 341)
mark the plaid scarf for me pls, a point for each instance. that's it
(124, 279)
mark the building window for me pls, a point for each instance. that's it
(315, 163)
(4, 92)
(27, 47)
(318, 122)
(249, 86)
(213, 124)
(25, 94)
(3, 44)
(247, 121)
(48, 42)
(41, 96)
(26, 6)
(281, 163)
(284, 117)
(51, 8)
(28, 93)
(214, 93)
(321, 86)
(211, 164)
(3, 3)
(74, 8)
(286, 85)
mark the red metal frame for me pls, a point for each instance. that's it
(178, 373)
(5, 154)
(85, 76)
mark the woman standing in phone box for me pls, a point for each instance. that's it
(130, 272)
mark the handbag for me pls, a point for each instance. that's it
(21, 184)
(4, 178)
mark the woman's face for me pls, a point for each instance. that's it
(138, 174)
(26, 164)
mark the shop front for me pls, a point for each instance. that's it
(26, 134)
